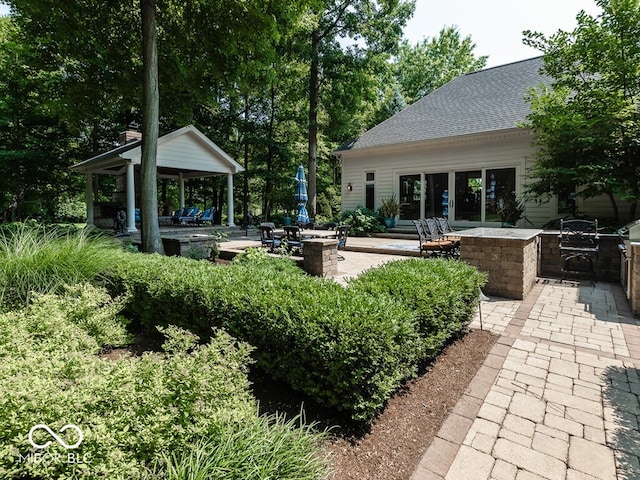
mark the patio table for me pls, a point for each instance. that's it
(310, 233)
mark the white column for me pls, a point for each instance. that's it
(88, 192)
(131, 200)
(181, 190)
(230, 200)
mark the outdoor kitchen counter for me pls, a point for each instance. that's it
(508, 255)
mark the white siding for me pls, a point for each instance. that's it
(475, 153)
(187, 151)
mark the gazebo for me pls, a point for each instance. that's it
(182, 154)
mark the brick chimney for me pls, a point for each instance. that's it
(129, 136)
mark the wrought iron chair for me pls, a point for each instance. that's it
(429, 246)
(445, 229)
(578, 241)
(342, 233)
(267, 236)
(450, 248)
(292, 239)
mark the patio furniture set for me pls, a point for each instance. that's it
(193, 216)
(578, 242)
(437, 238)
(290, 238)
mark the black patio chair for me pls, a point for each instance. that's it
(443, 225)
(450, 247)
(268, 238)
(432, 245)
(342, 234)
(578, 241)
(445, 229)
(292, 239)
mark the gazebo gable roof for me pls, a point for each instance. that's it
(186, 150)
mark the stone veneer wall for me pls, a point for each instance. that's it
(607, 266)
(321, 257)
(512, 264)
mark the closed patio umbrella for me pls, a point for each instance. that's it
(301, 197)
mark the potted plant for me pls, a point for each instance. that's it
(389, 210)
(510, 210)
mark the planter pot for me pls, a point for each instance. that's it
(508, 224)
(390, 222)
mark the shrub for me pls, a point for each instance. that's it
(132, 411)
(38, 258)
(348, 348)
(363, 222)
(442, 293)
(71, 209)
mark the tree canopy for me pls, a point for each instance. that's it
(587, 124)
(429, 64)
(246, 73)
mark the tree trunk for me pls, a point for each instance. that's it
(151, 240)
(614, 206)
(314, 94)
(268, 184)
(245, 174)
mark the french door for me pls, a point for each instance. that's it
(467, 199)
(465, 196)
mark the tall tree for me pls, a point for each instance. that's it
(35, 141)
(587, 124)
(377, 25)
(151, 240)
(431, 63)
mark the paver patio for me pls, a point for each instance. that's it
(558, 398)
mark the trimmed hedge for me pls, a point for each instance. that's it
(442, 293)
(348, 348)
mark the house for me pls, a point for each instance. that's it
(182, 154)
(455, 153)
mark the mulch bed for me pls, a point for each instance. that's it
(412, 418)
(393, 445)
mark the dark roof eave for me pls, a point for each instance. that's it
(431, 141)
(116, 152)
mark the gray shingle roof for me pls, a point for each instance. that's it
(483, 101)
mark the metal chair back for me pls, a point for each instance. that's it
(578, 240)
(292, 238)
(342, 233)
(443, 225)
(431, 227)
(267, 237)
